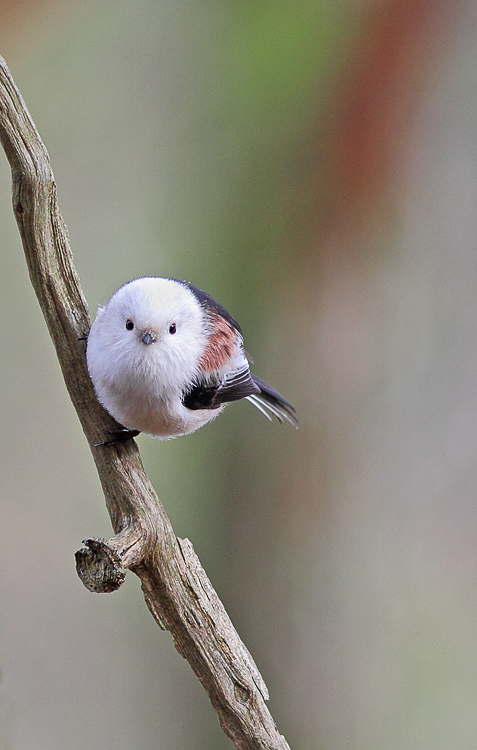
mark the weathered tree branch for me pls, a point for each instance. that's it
(176, 588)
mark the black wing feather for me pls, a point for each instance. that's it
(205, 394)
(270, 399)
(209, 302)
(208, 395)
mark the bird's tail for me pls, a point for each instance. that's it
(269, 401)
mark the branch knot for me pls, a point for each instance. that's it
(99, 567)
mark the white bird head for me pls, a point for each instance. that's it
(151, 329)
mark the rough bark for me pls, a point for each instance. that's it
(176, 588)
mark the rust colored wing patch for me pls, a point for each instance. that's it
(222, 344)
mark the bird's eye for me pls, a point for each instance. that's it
(172, 328)
(129, 324)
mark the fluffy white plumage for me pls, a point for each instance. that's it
(165, 359)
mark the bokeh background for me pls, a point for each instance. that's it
(313, 165)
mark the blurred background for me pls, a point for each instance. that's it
(312, 165)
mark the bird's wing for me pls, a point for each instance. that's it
(237, 385)
(210, 394)
(211, 305)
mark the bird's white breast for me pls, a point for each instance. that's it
(141, 386)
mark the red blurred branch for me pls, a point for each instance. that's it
(385, 74)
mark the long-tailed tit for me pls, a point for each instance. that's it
(165, 358)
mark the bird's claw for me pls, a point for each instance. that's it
(118, 436)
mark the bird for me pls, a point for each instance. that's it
(165, 359)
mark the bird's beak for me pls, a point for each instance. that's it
(148, 337)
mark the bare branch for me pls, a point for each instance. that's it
(176, 588)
